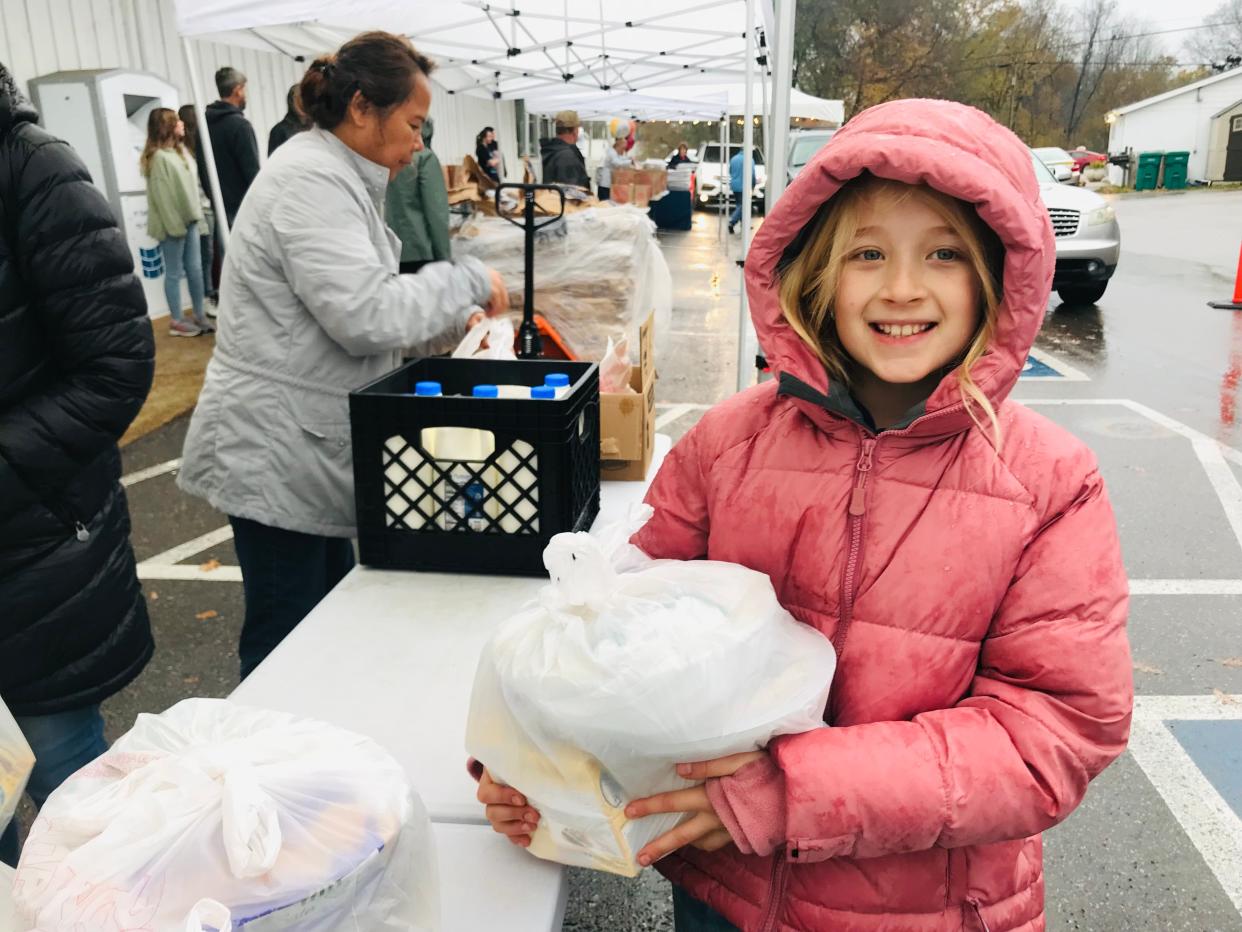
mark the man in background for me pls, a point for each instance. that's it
(563, 162)
(232, 140)
(293, 123)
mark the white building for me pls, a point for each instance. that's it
(1188, 119)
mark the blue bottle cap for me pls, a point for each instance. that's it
(556, 380)
(486, 391)
(543, 391)
(427, 389)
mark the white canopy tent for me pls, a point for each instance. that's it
(525, 48)
(702, 102)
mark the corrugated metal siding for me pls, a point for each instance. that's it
(39, 37)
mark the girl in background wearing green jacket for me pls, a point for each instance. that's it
(174, 216)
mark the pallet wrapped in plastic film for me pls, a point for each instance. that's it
(624, 667)
(598, 274)
(215, 816)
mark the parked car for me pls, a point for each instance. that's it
(708, 185)
(803, 144)
(1087, 236)
(1084, 157)
(1060, 162)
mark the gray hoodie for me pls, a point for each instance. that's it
(311, 307)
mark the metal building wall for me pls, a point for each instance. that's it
(39, 37)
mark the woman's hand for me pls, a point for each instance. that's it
(705, 830)
(498, 301)
(507, 811)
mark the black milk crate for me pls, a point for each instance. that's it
(493, 515)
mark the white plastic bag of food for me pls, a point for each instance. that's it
(491, 338)
(16, 762)
(614, 368)
(624, 667)
(215, 816)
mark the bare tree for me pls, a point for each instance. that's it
(1221, 36)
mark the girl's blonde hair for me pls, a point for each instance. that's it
(808, 284)
(161, 134)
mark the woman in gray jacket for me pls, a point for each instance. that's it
(311, 307)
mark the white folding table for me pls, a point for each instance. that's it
(392, 655)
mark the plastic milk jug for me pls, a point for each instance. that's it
(408, 478)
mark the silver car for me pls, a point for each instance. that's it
(1088, 237)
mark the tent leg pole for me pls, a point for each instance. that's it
(744, 355)
(204, 138)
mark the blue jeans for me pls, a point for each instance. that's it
(689, 915)
(183, 258)
(63, 744)
(284, 575)
(736, 217)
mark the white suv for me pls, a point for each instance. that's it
(710, 183)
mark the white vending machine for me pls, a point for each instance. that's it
(103, 115)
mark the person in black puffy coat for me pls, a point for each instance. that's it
(76, 358)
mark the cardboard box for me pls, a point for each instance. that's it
(657, 178)
(627, 420)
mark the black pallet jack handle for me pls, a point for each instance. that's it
(530, 346)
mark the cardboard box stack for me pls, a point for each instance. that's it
(627, 420)
(638, 186)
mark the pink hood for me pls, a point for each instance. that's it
(957, 150)
(975, 595)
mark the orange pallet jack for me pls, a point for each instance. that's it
(536, 337)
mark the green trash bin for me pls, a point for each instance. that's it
(1175, 170)
(1148, 175)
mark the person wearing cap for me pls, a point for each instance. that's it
(563, 162)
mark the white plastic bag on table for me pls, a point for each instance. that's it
(217, 816)
(496, 332)
(624, 667)
(16, 762)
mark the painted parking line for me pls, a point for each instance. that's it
(1186, 587)
(168, 565)
(188, 572)
(1042, 366)
(1195, 800)
(1211, 453)
(159, 469)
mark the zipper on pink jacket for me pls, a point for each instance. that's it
(983, 923)
(776, 891)
(858, 507)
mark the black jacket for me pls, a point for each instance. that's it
(76, 359)
(283, 131)
(563, 163)
(237, 153)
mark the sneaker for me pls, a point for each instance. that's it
(205, 326)
(213, 302)
(183, 328)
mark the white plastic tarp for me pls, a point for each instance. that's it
(518, 48)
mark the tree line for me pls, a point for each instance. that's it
(1048, 70)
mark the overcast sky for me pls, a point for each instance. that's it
(1163, 14)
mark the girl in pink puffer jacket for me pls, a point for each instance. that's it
(957, 548)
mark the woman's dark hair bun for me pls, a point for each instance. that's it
(380, 65)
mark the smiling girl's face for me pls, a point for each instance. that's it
(907, 298)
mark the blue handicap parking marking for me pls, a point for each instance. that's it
(1216, 749)
(1040, 370)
